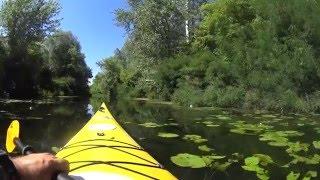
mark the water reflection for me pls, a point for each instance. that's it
(51, 125)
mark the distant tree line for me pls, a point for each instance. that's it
(37, 59)
(256, 54)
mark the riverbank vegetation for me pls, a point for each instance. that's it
(246, 54)
(36, 58)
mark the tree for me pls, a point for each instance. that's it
(156, 27)
(66, 63)
(2, 58)
(26, 23)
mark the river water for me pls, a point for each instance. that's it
(204, 143)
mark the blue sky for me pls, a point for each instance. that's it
(93, 23)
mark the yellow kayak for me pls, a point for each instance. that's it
(103, 150)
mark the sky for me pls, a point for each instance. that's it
(93, 23)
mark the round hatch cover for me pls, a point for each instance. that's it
(102, 127)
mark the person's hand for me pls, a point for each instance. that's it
(39, 166)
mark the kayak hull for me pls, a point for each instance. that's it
(103, 150)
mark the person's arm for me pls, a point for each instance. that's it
(38, 166)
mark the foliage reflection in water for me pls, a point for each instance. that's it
(191, 143)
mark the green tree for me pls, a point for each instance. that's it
(65, 63)
(26, 23)
(156, 27)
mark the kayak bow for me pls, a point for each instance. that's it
(103, 150)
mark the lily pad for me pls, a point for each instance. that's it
(312, 160)
(213, 125)
(167, 135)
(171, 124)
(252, 164)
(210, 159)
(55, 149)
(317, 130)
(268, 116)
(310, 174)
(204, 148)
(252, 161)
(221, 117)
(264, 159)
(150, 125)
(249, 129)
(293, 176)
(188, 160)
(194, 138)
(316, 144)
(297, 147)
(220, 166)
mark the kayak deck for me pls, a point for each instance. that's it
(103, 150)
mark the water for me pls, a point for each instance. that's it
(50, 125)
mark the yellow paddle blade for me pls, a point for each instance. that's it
(12, 132)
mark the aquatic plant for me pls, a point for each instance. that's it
(205, 148)
(150, 125)
(252, 164)
(188, 160)
(293, 176)
(249, 129)
(316, 144)
(194, 138)
(167, 135)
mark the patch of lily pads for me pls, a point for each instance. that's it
(167, 135)
(316, 144)
(256, 163)
(310, 160)
(279, 138)
(188, 160)
(194, 161)
(249, 129)
(194, 138)
(307, 176)
(156, 125)
(208, 123)
(204, 148)
(151, 125)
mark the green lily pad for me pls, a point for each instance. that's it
(171, 124)
(316, 144)
(167, 135)
(150, 125)
(188, 160)
(310, 174)
(264, 159)
(221, 117)
(293, 176)
(252, 164)
(55, 149)
(268, 116)
(204, 148)
(220, 166)
(317, 130)
(213, 125)
(249, 129)
(238, 131)
(210, 159)
(312, 160)
(194, 138)
(297, 147)
(278, 144)
(252, 161)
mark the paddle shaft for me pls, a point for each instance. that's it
(26, 150)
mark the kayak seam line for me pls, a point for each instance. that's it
(115, 148)
(95, 146)
(91, 163)
(100, 140)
